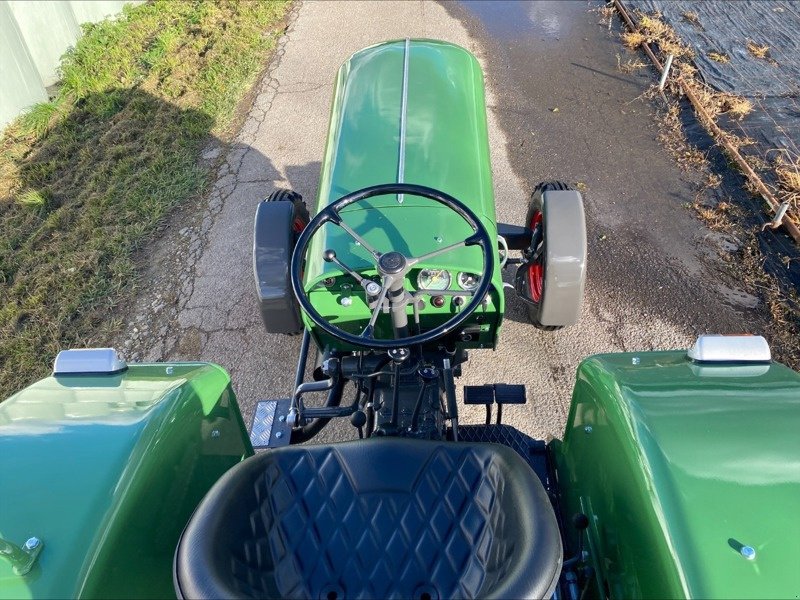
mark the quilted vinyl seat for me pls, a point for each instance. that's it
(380, 518)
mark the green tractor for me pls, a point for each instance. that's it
(678, 474)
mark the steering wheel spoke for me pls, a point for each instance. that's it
(360, 240)
(369, 330)
(330, 256)
(437, 252)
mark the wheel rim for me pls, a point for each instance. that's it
(536, 270)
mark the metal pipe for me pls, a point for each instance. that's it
(300, 373)
(665, 73)
(450, 395)
(397, 308)
(308, 431)
(395, 420)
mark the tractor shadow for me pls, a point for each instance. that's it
(85, 186)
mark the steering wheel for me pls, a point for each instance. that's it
(392, 267)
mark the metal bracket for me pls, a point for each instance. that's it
(777, 221)
(271, 428)
(22, 559)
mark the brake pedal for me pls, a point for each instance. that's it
(505, 393)
(269, 428)
(478, 394)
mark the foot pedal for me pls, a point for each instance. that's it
(269, 428)
(478, 394)
(505, 393)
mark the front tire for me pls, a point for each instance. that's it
(300, 217)
(552, 309)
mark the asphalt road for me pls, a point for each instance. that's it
(652, 281)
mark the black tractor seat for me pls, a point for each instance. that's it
(379, 518)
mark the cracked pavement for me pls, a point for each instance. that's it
(197, 298)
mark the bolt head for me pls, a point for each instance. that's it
(32, 543)
(748, 552)
(346, 301)
(373, 289)
(635, 360)
(588, 429)
(282, 418)
(279, 435)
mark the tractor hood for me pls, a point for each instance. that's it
(689, 473)
(105, 470)
(410, 111)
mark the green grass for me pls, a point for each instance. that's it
(87, 177)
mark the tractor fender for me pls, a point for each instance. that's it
(273, 243)
(565, 258)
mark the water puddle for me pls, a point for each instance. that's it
(545, 21)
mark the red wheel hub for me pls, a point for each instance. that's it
(536, 269)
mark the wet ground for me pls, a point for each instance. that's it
(558, 108)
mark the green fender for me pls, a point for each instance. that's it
(106, 471)
(678, 467)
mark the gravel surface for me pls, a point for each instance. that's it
(651, 281)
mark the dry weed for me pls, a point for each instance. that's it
(716, 103)
(758, 50)
(629, 66)
(692, 18)
(788, 173)
(736, 106)
(736, 142)
(659, 32)
(713, 181)
(784, 330)
(716, 218)
(673, 138)
(606, 13)
(633, 39)
(719, 57)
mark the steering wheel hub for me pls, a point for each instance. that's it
(392, 263)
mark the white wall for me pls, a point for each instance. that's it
(34, 34)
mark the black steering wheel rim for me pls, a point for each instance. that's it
(330, 213)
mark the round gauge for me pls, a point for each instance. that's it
(433, 279)
(468, 281)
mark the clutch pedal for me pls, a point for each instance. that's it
(478, 394)
(269, 428)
